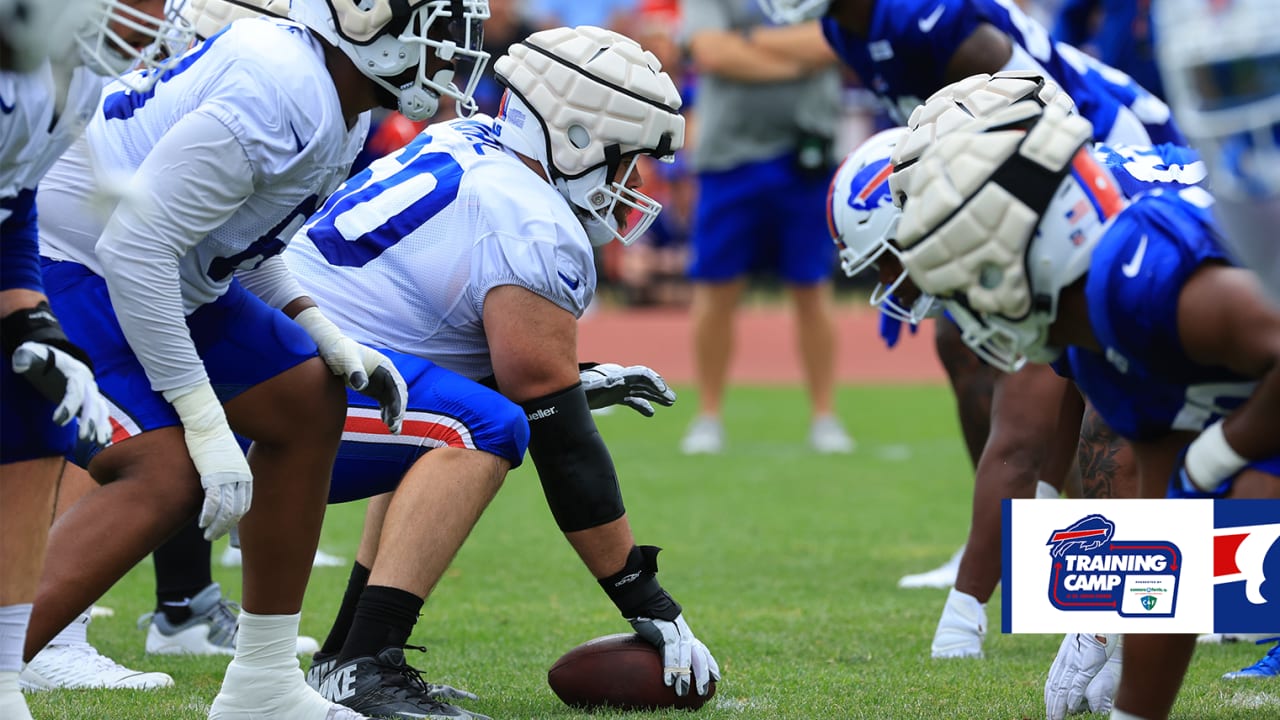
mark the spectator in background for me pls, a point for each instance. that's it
(612, 14)
(1117, 32)
(651, 272)
(768, 102)
(508, 24)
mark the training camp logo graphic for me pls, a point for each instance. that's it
(1246, 566)
(1093, 572)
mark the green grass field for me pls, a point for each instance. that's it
(786, 564)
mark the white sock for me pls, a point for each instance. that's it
(1118, 714)
(267, 641)
(77, 633)
(1045, 491)
(13, 633)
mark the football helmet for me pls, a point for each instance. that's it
(862, 219)
(110, 37)
(785, 12)
(1220, 62)
(207, 17)
(387, 38)
(1006, 215)
(958, 105)
(583, 102)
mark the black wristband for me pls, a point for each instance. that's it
(635, 588)
(37, 324)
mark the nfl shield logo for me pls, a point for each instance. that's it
(1148, 601)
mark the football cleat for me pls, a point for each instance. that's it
(1267, 667)
(386, 686)
(79, 665)
(211, 629)
(943, 576)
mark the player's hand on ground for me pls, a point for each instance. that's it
(67, 381)
(686, 661)
(363, 369)
(1101, 693)
(635, 386)
(1080, 658)
(224, 472)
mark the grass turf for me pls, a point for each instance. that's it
(786, 564)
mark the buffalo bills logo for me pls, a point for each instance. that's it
(1246, 566)
(868, 190)
(1084, 536)
(1092, 571)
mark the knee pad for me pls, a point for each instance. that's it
(574, 466)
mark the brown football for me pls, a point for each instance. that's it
(620, 671)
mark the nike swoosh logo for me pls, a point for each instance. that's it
(296, 139)
(572, 283)
(926, 23)
(1130, 269)
(6, 108)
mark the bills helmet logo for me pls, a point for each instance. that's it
(1085, 535)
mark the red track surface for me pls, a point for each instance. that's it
(766, 348)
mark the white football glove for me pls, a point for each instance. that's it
(1101, 693)
(1080, 659)
(364, 370)
(68, 382)
(635, 386)
(224, 472)
(683, 655)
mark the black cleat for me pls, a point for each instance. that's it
(384, 686)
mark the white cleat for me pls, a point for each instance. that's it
(80, 665)
(705, 437)
(827, 436)
(943, 576)
(961, 628)
(254, 694)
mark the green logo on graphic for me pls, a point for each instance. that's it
(1148, 601)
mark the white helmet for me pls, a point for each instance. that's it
(112, 36)
(207, 17)
(1220, 62)
(959, 104)
(386, 38)
(599, 101)
(786, 12)
(1005, 216)
(862, 220)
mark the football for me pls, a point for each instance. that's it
(622, 672)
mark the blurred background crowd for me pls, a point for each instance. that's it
(653, 272)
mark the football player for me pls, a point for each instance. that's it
(905, 51)
(479, 238)
(1026, 441)
(1134, 299)
(47, 379)
(180, 295)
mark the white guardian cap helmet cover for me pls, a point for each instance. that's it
(599, 101)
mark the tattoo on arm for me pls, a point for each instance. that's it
(1104, 461)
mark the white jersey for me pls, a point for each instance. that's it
(32, 133)
(266, 82)
(403, 255)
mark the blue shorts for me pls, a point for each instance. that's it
(242, 341)
(27, 430)
(444, 410)
(765, 216)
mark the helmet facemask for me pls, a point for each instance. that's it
(401, 47)
(118, 38)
